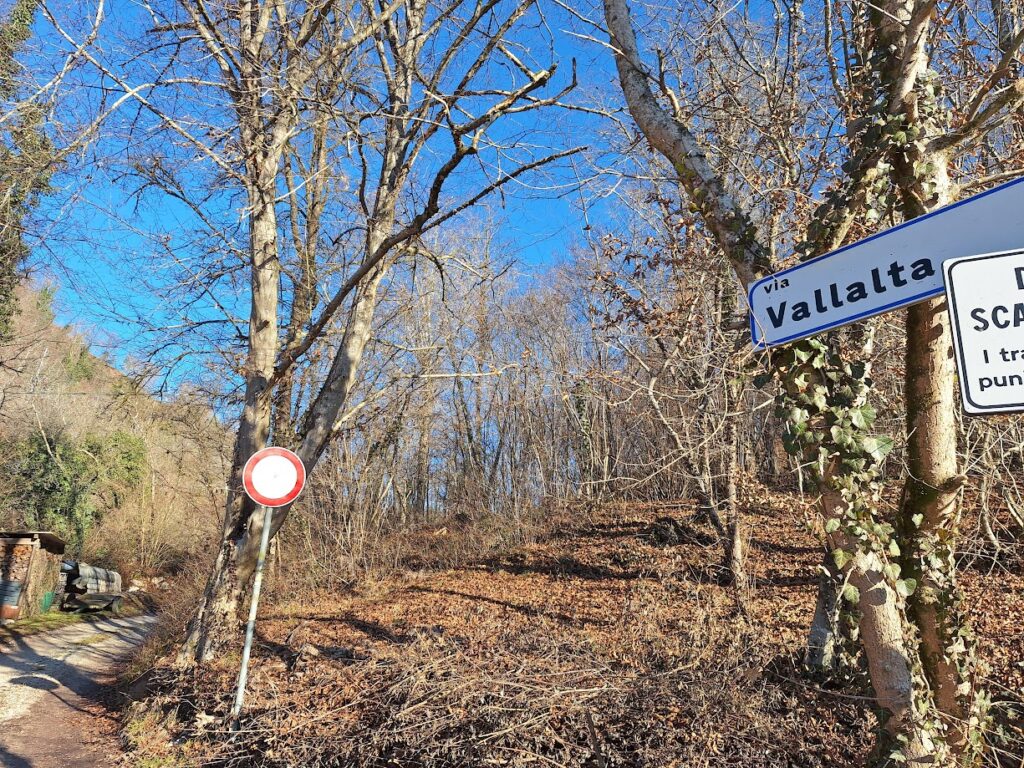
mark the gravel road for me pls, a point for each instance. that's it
(54, 690)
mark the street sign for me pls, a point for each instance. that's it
(892, 269)
(986, 309)
(273, 477)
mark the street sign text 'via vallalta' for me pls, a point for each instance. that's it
(892, 269)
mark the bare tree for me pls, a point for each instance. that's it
(295, 87)
(345, 131)
(909, 155)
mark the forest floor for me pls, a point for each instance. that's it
(610, 641)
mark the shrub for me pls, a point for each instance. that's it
(58, 481)
(79, 364)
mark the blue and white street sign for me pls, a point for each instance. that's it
(892, 269)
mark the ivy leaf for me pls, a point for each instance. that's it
(818, 400)
(851, 594)
(840, 557)
(894, 548)
(877, 447)
(832, 525)
(906, 587)
(857, 465)
(892, 570)
(863, 417)
(926, 741)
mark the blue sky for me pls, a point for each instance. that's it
(98, 242)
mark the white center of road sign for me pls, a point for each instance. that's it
(892, 269)
(274, 476)
(986, 308)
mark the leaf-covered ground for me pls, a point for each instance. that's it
(612, 641)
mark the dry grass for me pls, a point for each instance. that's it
(175, 607)
(598, 646)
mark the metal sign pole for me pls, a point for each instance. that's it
(272, 477)
(250, 628)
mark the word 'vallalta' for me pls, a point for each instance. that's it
(833, 296)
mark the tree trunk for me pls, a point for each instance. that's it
(930, 515)
(890, 665)
(214, 624)
(890, 655)
(930, 508)
(738, 560)
(822, 654)
(735, 556)
(988, 470)
(215, 621)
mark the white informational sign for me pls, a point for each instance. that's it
(892, 269)
(986, 309)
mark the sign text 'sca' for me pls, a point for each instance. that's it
(892, 269)
(986, 310)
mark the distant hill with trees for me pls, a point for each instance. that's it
(128, 481)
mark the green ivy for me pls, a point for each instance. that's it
(829, 426)
(79, 364)
(26, 156)
(62, 485)
(829, 423)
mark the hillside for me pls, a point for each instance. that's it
(610, 641)
(127, 480)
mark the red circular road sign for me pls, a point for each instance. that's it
(273, 477)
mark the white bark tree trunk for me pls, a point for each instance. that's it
(930, 508)
(888, 650)
(903, 27)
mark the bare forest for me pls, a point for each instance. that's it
(486, 268)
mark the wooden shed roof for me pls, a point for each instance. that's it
(49, 541)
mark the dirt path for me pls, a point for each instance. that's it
(55, 694)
